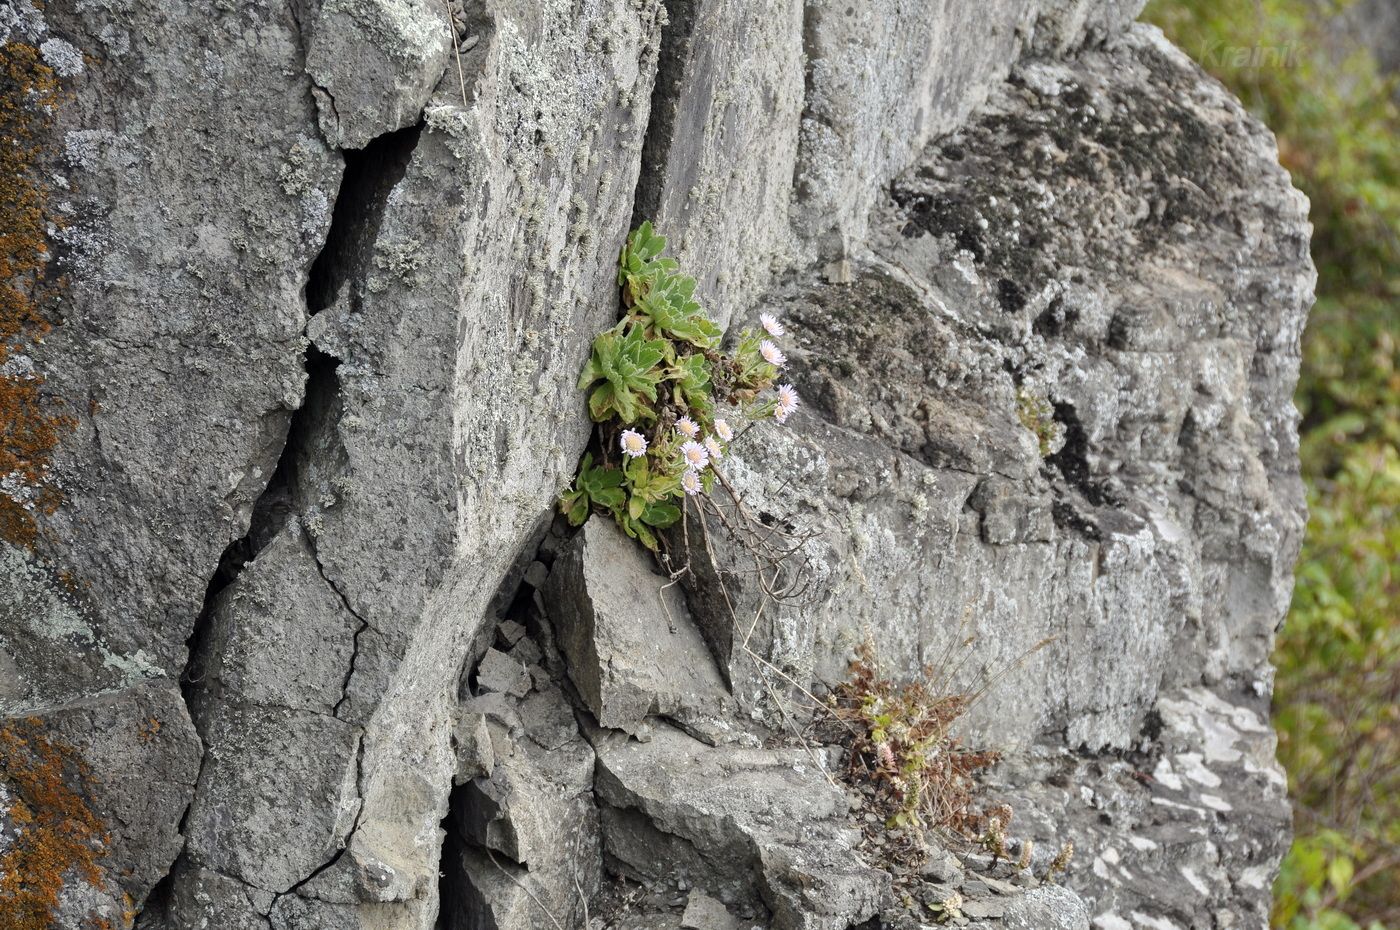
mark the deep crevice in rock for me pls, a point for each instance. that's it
(811, 52)
(452, 881)
(479, 865)
(370, 174)
(676, 49)
(1072, 461)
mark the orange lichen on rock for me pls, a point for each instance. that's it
(29, 431)
(52, 834)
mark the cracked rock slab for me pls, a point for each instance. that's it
(277, 794)
(765, 822)
(632, 649)
(375, 64)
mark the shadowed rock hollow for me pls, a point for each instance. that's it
(287, 625)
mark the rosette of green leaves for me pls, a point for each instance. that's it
(629, 366)
(659, 363)
(595, 486)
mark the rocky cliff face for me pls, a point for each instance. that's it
(296, 296)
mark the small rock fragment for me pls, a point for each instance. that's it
(536, 575)
(942, 868)
(984, 909)
(527, 652)
(511, 631)
(500, 673)
(631, 647)
(473, 744)
(703, 912)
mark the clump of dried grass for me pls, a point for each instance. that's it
(902, 747)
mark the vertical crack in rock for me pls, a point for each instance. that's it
(370, 174)
(514, 606)
(359, 630)
(335, 859)
(676, 48)
(1072, 461)
(811, 15)
(453, 888)
(521, 837)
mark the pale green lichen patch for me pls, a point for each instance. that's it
(45, 624)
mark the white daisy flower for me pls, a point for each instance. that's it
(712, 447)
(687, 427)
(771, 324)
(771, 353)
(690, 483)
(694, 455)
(723, 431)
(787, 402)
(634, 444)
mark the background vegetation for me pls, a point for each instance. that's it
(1338, 657)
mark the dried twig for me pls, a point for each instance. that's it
(456, 50)
(523, 887)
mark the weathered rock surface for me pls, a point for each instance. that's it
(765, 823)
(1088, 247)
(883, 80)
(1193, 819)
(604, 600)
(1132, 539)
(527, 825)
(318, 279)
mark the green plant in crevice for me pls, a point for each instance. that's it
(902, 744)
(666, 397)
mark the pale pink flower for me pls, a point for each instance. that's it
(687, 427)
(694, 455)
(787, 402)
(771, 353)
(723, 431)
(634, 444)
(771, 324)
(712, 447)
(690, 482)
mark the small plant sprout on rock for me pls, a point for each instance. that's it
(901, 745)
(667, 399)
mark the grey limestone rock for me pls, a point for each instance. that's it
(605, 602)
(318, 280)
(766, 823)
(884, 79)
(1150, 556)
